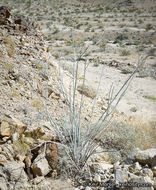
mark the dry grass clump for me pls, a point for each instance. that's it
(124, 137)
(8, 66)
(37, 104)
(125, 52)
(10, 45)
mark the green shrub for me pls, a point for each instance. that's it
(149, 27)
(125, 52)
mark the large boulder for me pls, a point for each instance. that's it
(144, 157)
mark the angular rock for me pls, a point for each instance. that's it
(137, 166)
(146, 157)
(88, 188)
(15, 171)
(154, 171)
(142, 183)
(97, 178)
(10, 124)
(121, 176)
(3, 159)
(52, 155)
(38, 180)
(8, 152)
(105, 166)
(154, 183)
(20, 126)
(40, 166)
(5, 129)
(3, 185)
(148, 172)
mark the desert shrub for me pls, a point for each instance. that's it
(140, 21)
(37, 104)
(148, 27)
(125, 52)
(10, 45)
(80, 146)
(78, 139)
(123, 138)
(107, 8)
(8, 66)
(150, 98)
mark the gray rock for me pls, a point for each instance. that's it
(131, 156)
(121, 176)
(154, 183)
(105, 166)
(143, 184)
(97, 178)
(148, 172)
(38, 180)
(146, 157)
(88, 188)
(137, 166)
(3, 185)
(154, 171)
(40, 166)
(15, 171)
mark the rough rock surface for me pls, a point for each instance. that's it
(146, 156)
(40, 166)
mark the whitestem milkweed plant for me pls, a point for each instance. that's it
(79, 148)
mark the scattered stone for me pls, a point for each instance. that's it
(5, 129)
(97, 178)
(8, 152)
(148, 172)
(121, 176)
(142, 180)
(137, 166)
(10, 124)
(105, 166)
(88, 188)
(19, 125)
(154, 171)
(3, 159)
(38, 180)
(40, 166)
(154, 183)
(3, 185)
(15, 171)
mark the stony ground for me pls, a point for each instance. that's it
(111, 35)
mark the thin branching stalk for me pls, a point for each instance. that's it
(77, 147)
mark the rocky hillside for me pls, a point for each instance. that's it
(27, 73)
(30, 154)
